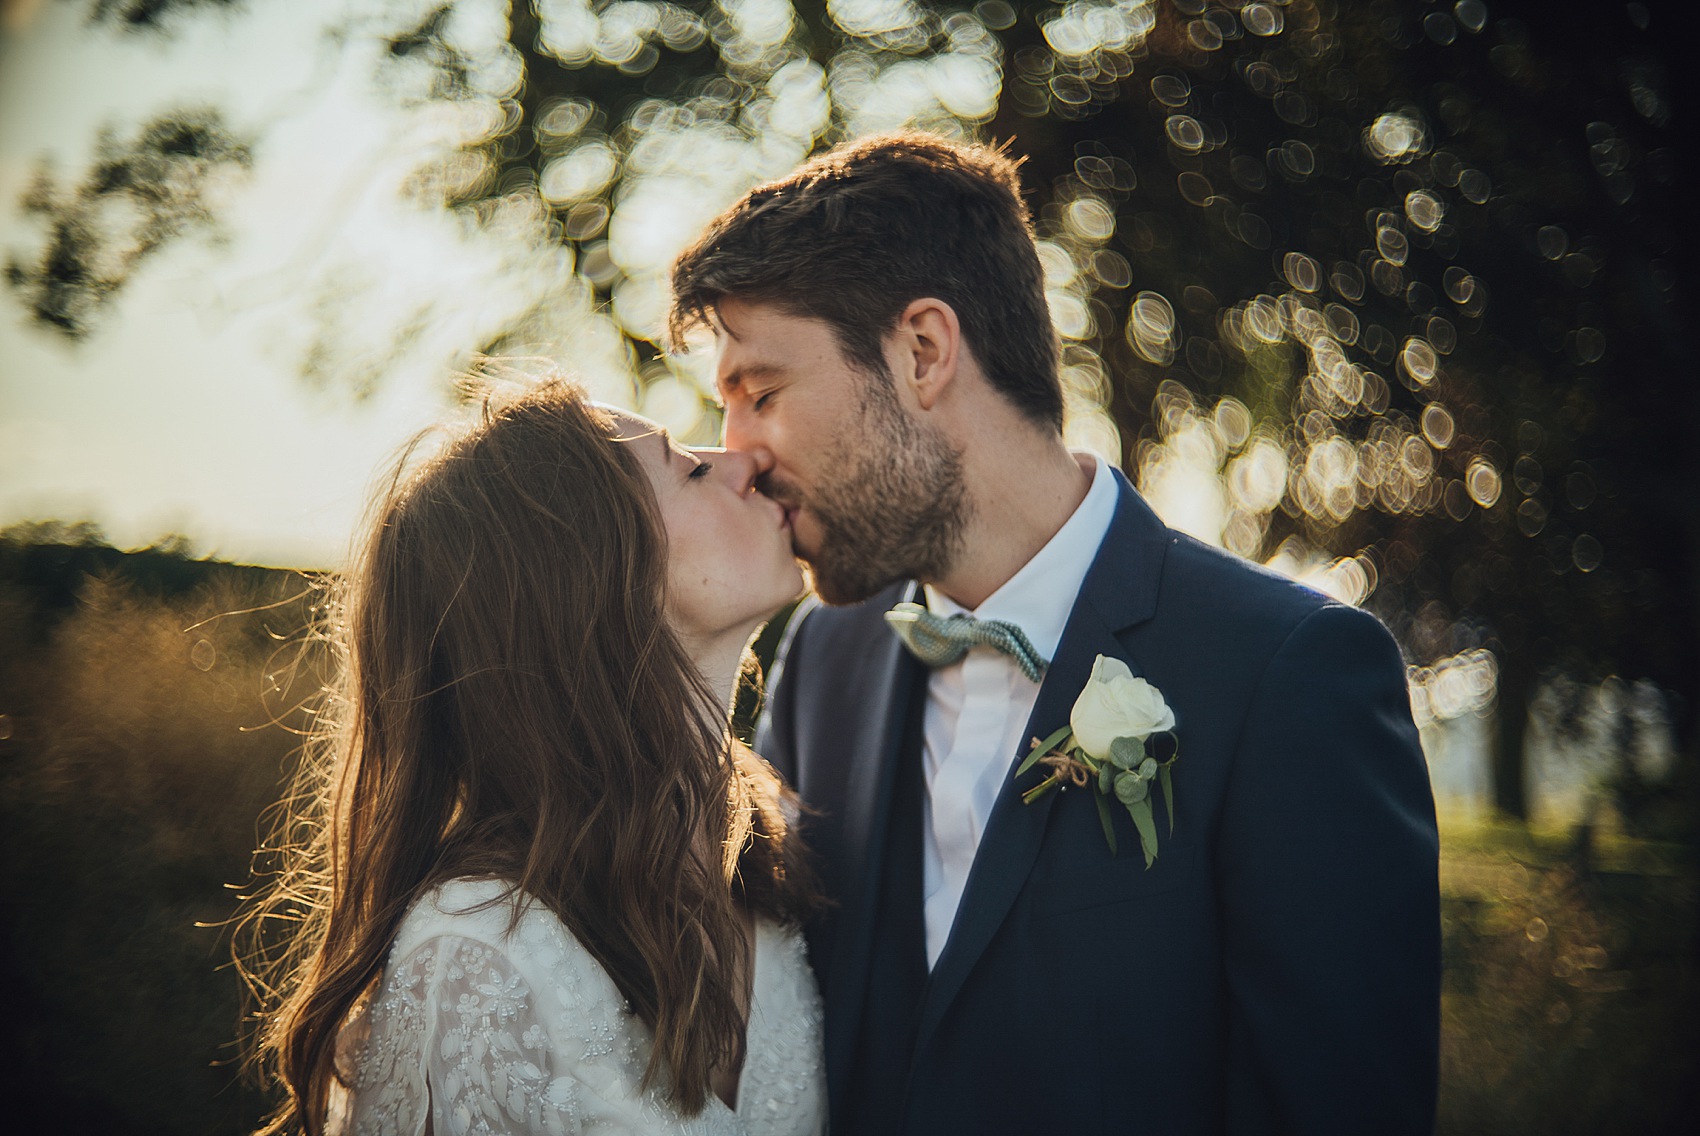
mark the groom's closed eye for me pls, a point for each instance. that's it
(744, 378)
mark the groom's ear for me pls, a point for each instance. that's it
(929, 338)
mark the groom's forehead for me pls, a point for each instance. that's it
(756, 342)
(755, 321)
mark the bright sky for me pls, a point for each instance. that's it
(186, 410)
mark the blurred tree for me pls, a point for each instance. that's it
(136, 195)
(164, 181)
(1386, 293)
(1333, 193)
(152, 13)
(1402, 275)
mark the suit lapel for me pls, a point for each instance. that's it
(894, 680)
(1119, 591)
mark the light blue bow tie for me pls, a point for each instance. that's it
(939, 641)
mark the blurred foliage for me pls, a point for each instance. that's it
(1400, 277)
(1387, 294)
(147, 703)
(1394, 288)
(151, 15)
(1571, 987)
(166, 181)
(148, 709)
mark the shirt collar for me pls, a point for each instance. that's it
(1039, 597)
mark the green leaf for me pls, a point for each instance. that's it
(1130, 789)
(1054, 740)
(1140, 811)
(1127, 752)
(1041, 750)
(1107, 819)
(1168, 794)
(1107, 779)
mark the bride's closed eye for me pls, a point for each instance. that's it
(701, 469)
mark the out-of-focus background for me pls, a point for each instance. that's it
(1388, 295)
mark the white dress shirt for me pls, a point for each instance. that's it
(978, 706)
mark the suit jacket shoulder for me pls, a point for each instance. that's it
(1206, 587)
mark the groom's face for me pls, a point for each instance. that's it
(874, 493)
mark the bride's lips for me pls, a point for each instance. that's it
(785, 512)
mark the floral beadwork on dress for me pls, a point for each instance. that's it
(497, 1032)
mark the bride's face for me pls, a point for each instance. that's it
(729, 560)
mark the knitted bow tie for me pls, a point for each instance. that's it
(939, 641)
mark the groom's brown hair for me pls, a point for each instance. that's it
(854, 234)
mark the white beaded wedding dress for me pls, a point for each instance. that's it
(474, 1029)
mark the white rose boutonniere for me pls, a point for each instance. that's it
(1119, 738)
(1116, 705)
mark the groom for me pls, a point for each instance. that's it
(990, 966)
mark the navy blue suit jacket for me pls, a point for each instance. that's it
(1276, 970)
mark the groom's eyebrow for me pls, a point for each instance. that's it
(735, 379)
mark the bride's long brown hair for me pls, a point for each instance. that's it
(512, 703)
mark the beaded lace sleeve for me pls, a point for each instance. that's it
(461, 1035)
(485, 1025)
(457, 1034)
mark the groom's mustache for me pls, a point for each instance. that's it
(776, 490)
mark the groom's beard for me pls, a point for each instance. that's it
(899, 511)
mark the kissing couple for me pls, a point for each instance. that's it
(1057, 820)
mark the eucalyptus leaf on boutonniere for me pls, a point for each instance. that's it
(1119, 738)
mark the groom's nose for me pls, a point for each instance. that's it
(741, 430)
(759, 456)
(741, 469)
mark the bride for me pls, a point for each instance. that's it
(531, 883)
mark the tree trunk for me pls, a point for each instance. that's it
(1510, 788)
